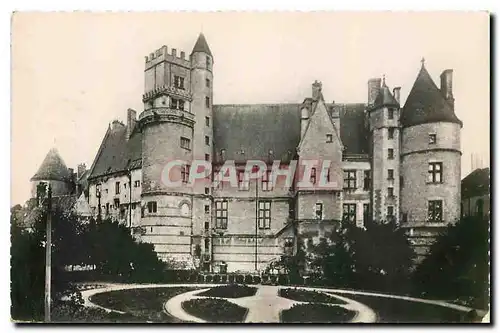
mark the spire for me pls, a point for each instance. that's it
(201, 45)
(423, 62)
(385, 96)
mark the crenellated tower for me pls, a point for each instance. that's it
(383, 115)
(167, 124)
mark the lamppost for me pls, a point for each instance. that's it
(98, 195)
(48, 256)
(129, 174)
(256, 221)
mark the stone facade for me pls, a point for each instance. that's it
(220, 228)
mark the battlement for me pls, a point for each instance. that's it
(162, 54)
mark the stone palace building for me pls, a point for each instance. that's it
(390, 161)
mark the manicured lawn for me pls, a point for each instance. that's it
(390, 310)
(145, 304)
(215, 310)
(230, 291)
(302, 295)
(65, 312)
(316, 313)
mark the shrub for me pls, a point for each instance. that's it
(240, 278)
(217, 279)
(282, 279)
(231, 278)
(230, 291)
(265, 278)
(257, 280)
(224, 278)
(208, 279)
(273, 279)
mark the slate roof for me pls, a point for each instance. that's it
(201, 45)
(477, 183)
(116, 153)
(254, 129)
(385, 97)
(426, 103)
(52, 168)
(250, 131)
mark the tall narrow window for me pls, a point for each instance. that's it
(349, 212)
(435, 173)
(390, 192)
(390, 153)
(366, 213)
(264, 214)
(208, 62)
(207, 140)
(221, 214)
(329, 138)
(432, 138)
(350, 179)
(179, 82)
(390, 213)
(207, 157)
(207, 83)
(319, 211)
(207, 121)
(243, 182)
(266, 181)
(391, 133)
(390, 174)
(435, 210)
(117, 188)
(367, 180)
(313, 176)
(185, 173)
(207, 102)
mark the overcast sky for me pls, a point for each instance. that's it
(73, 73)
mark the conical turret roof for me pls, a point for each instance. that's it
(52, 168)
(385, 97)
(426, 103)
(201, 45)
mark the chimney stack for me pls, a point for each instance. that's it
(397, 94)
(131, 121)
(447, 85)
(373, 89)
(316, 90)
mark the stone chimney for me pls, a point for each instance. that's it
(316, 90)
(373, 89)
(397, 94)
(447, 85)
(131, 121)
(116, 125)
(81, 168)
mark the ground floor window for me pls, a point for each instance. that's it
(435, 210)
(349, 212)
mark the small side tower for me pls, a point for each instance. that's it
(383, 115)
(167, 124)
(53, 172)
(430, 159)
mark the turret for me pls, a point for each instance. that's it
(383, 115)
(53, 172)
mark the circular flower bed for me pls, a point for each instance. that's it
(215, 310)
(302, 295)
(316, 313)
(230, 291)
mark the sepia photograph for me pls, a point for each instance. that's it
(250, 167)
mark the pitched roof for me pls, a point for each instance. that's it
(426, 103)
(353, 133)
(201, 45)
(477, 183)
(385, 97)
(116, 153)
(52, 168)
(251, 131)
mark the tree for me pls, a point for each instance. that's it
(457, 265)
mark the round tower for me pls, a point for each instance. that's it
(167, 125)
(430, 159)
(383, 111)
(53, 172)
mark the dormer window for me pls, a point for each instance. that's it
(432, 138)
(329, 138)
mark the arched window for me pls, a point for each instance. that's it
(480, 207)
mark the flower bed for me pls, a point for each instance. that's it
(301, 295)
(316, 313)
(230, 291)
(215, 310)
